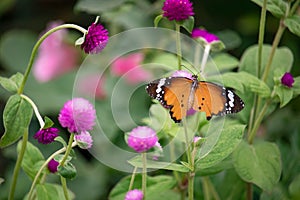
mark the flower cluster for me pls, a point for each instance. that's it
(46, 136)
(134, 195)
(177, 9)
(205, 35)
(287, 80)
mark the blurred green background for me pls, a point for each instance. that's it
(21, 22)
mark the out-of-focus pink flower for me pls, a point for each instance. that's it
(55, 57)
(92, 86)
(129, 68)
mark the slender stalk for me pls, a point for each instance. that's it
(18, 166)
(69, 147)
(144, 174)
(65, 188)
(35, 109)
(294, 7)
(249, 192)
(132, 178)
(205, 57)
(205, 187)
(172, 156)
(37, 45)
(261, 36)
(197, 56)
(178, 45)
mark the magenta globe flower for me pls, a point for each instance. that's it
(287, 80)
(134, 195)
(96, 39)
(52, 166)
(142, 138)
(77, 115)
(177, 9)
(205, 35)
(84, 140)
(182, 73)
(46, 136)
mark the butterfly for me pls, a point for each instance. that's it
(180, 94)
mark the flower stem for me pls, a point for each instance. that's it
(204, 58)
(36, 111)
(132, 179)
(69, 147)
(261, 36)
(37, 45)
(18, 165)
(144, 174)
(65, 188)
(178, 45)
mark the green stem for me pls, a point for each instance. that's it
(294, 7)
(178, 45)
(35, 109)
(37, 45)
(43, 166)
(65, 188)
(144, 174)
(18, 165)
(261, 36)
(132, 179)
(69, 147)
(205, 187)
(205, 57)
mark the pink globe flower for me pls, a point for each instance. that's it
(55, 56)
(205, 35)
(52, 166)
(84, 140)
(96, 39)
(77, 115)
(177, 9)
(182, 73)
(46, 136)
(92, 85)
(142, 138)
(287, 80)
(134, 195)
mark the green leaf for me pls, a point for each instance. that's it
(293, 24)
(276, 7)
(157, 20)
(33, 159)
(61, 140)
(217, 46)
(229, 139)
(13, 83)
(188, 24)
(158, 187)
(49, 191)
(16, 118)
(137, 162)
(79, 41)
(67, 171)
(258, 163)
(48, 122)
(296, 86)
(223, 61)
(285, 94)
(294, 188)
(96, 6)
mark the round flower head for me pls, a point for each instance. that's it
(204, 34)
(287, 80)
(46, 136)
(182, 73)
(142, 138)
(134, 195)
(177, 9)
(96, 39)
(84, 140)
(77, 115)
(52, 166)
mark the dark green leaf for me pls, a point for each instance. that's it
(158, 187)
(188, 24)
(230, 38)
(294, 188)
(13, 83)
(48, 122)
(284, 93)
(230, 137)
(276, 7)
(16, 117)
(157, 20)
(296, 86)
(151, 164)
(293, 24)
(259, 163)
(49, 191)
(33, 159)
(67, 171)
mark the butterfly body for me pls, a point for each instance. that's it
(180, 94)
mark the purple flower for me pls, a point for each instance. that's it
(204, 34)
(182, 73)
(96, 39)
(134, 195)
(177, 9)
(142, 138)
(84, 140)
(77, 115)
(52, 166)
(287, 80)
(46, 136)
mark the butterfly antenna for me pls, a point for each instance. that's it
(191, 71)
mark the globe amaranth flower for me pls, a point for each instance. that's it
(205, 35)
(134, 195)
(182, 73)
(142, 138)
(84, 140)
(129, 68)
(287, 80)
(95, 39)
(46, 136)
(177, 9)
(77, 115)
(52, 166)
